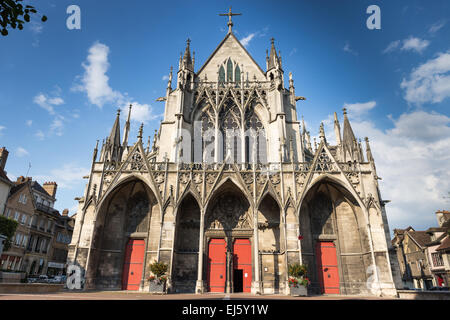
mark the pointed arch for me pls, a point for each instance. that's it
(229, 70)
(237, 75)
(221, 75)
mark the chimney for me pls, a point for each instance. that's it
(50, 187)
(23, 179)
(65, 212)
(3, 157)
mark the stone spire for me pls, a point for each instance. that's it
(322, 133)
(348, 138)
(273, 57)
(113, 149)
(337, 130)
(126, 130)
(187, 60)
(368, 151)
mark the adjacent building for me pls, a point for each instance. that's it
(31, 205)
(423, 256)
(59, 248)
(5, 183)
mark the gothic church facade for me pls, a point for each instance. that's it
(232, 191)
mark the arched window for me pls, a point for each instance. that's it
(207, 133)
(221, 75)
(255, 141)
(237, 76)
(230, 127)
(229, 71)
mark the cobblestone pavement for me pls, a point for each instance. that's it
(127, 295)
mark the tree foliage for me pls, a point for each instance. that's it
(158, 268)
(13, 14)
(7, 228)
(297, 270)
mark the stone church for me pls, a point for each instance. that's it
(232, 191)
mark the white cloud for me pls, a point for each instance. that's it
(68, 176)
(1, 130)
(347, 48)
(29, 123)
(392, 46)
(293, 51)
(437, 26)
(165, 78)
(21, 152)
(430, 82)
(47, 103)
(57, 126)
(415, 44)
(246, 41)
(357, 110)
(413, 160)
(410, 44)
(40, 135)
(36, 27)
(94, 80)
(139, 112)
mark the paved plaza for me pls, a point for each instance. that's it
(127, 295)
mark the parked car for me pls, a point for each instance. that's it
(57, 279)
(32, 279)
(439, 289)
(43, 278)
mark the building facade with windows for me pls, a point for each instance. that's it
(59, 248)
(232, 191)
(5, 183)
(31, 205)
(422, 255)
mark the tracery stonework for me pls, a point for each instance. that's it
(232, 173)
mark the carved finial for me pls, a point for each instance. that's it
(141, 129)
(344, 110)
(118, 112)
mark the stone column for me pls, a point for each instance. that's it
(256, 284)
(199, 287)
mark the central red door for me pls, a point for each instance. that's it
(242, 251)
(132, 267)
(216, 265)
(327, 267)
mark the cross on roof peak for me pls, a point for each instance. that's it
(230, 22)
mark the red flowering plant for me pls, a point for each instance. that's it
(297, 275)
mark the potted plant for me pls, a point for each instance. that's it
(157, 281)
(298, 281)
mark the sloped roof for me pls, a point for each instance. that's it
(445, 244)
(230, 34)
(4, 177)
(420, 237)
(36, 186)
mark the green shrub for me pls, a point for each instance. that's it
(7, 228)
(158, 268)
(297, 270)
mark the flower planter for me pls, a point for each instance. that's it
(157, 287)
(299, 291)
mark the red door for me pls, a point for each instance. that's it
(327, 267)
(242, 250)
(132, 267)
(216, 265)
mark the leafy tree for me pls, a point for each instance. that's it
(297, 270)
(7, 228)
(11, 14)
(158, 268)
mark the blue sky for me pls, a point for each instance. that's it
(59, 88)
